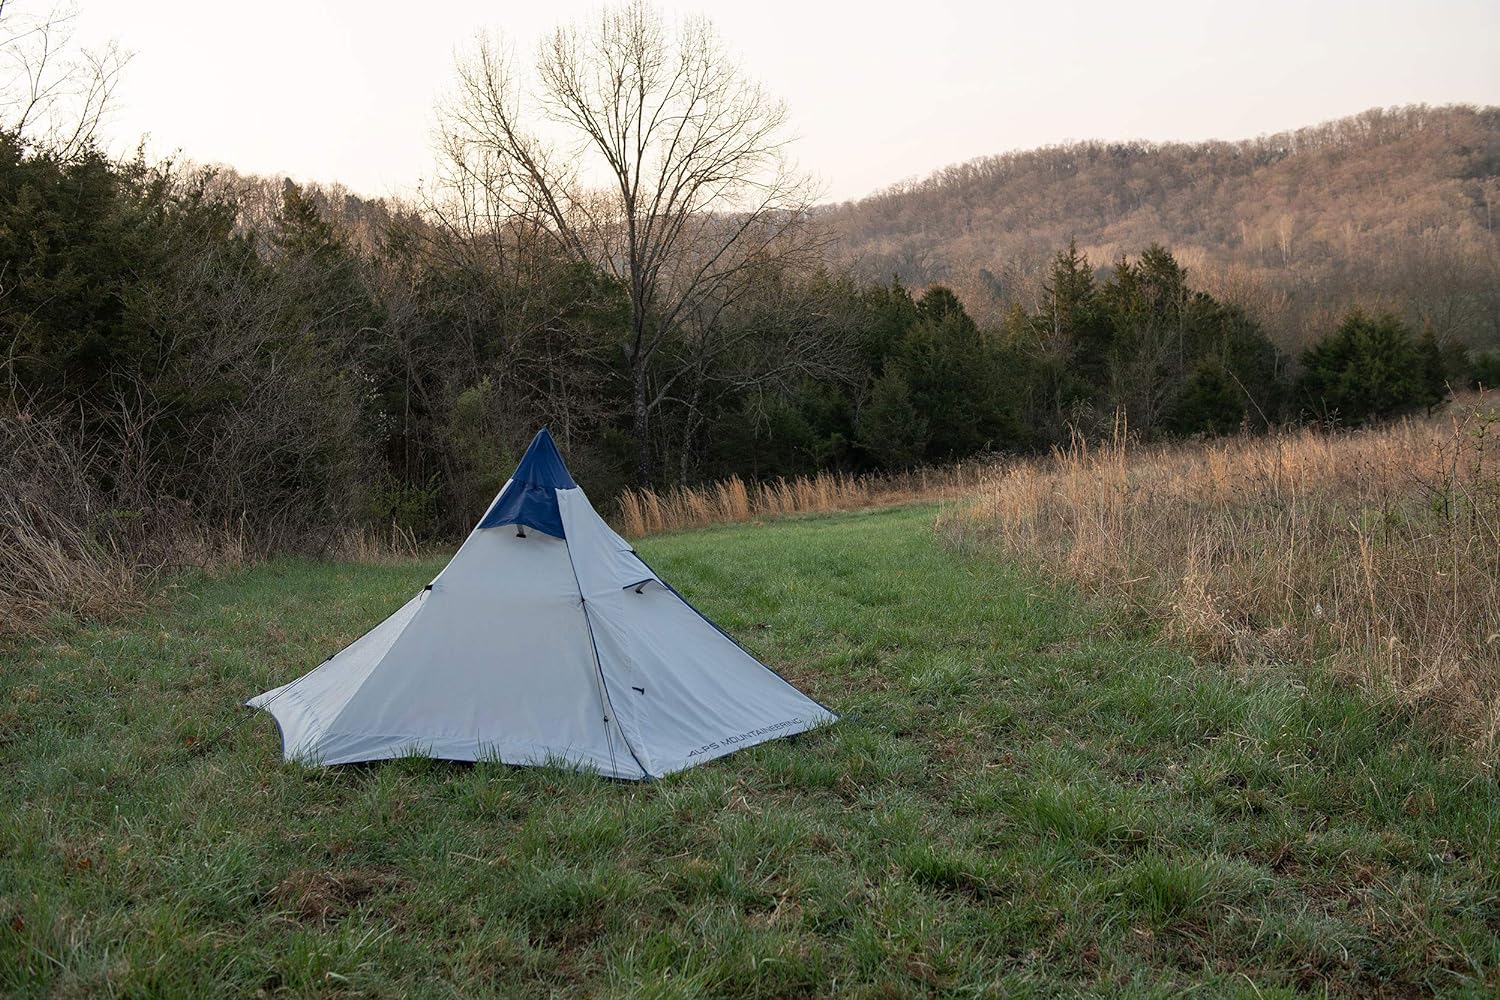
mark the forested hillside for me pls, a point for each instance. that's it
(1388, 209)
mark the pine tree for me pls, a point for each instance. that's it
(890, 428)
(1068, 300)
(1368, 369)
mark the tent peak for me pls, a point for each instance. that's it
(530, 498)
(542, 465)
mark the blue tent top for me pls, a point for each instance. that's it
(531, 497)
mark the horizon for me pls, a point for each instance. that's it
(356, 106)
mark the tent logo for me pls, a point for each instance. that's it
(742, 737)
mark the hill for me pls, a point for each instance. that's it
(1390, 208)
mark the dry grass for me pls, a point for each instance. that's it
(70, 548)
(647, 512)
(372, 546)
(50, 566)
(63, 549)
(1377, 552)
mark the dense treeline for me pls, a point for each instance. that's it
(294, 359)
(1392, 210)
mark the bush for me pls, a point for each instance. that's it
(65, 544)
(1369, 369)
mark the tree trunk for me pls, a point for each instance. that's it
(692, 421)
(642, 425)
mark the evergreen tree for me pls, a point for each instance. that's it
(956, 379)
(1368, 369)
(1149, 354)
(938, 304)
(887, 312)
(1484, 371)
(1209, 403)
(890, 427)
(1070, 342)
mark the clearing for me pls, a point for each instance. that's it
(1026, 795)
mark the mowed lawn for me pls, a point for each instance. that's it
(1024, 797)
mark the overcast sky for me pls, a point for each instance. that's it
(344, 89)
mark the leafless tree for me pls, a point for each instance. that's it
(775, 330)
(53, 92)
(641, 149)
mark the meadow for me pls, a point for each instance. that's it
(1030, 792)
(1372, 555)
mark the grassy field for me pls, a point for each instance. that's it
(1026, 796)
(1374, 553)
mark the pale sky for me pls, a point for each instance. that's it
(338, 90)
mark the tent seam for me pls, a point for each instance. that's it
(607, 702)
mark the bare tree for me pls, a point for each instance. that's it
(52, 92)
(772, 333)
(668, 171)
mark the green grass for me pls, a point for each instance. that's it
(1024, 797)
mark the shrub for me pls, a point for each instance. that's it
(1369, 369)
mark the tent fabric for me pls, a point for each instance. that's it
(559, 648)
(527, 505)
(530, 498)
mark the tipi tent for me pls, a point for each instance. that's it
(546, 640)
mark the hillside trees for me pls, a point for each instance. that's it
(293, 360)
(308, 359)
(1390, 209)
(189, 354)
(195, 366)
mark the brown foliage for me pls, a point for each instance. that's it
(322, 897)
(53, 557)
(1388, 208)
(1377, 552)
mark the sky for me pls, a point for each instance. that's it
(339, 90)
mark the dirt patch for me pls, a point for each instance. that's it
(321, 896)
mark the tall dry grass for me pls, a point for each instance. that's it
(647, 512)
(84, 535)
(1377, 552)
(63, 548)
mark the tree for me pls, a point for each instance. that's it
(1434, 370)
(1069, 302)
(674, 182)
(1149, 346)
(1069, 342)
(1367, 369)
(1209, 403)
(1485, 371)
(52, 92)
(886, 313)
(957, 379)
(890, 427)
(782, 331)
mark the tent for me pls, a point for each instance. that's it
(546, 640)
